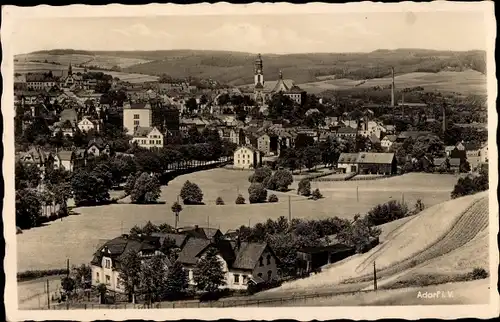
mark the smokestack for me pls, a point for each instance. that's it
(444, 119)
(392, 87)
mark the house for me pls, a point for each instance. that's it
(370, 128)
(70, 115)
(347, 162)
(107, 259)
(97, 147)
(86, 125)
(388, 141)
(484, 153)
(448, 149)
(455, 164)
(40, 81)
(66, 159)
(368, 163)
(264, 143)
(136, 115)
(346, 132)
(351, 123)
(201, 232)
(242, 262)
(179, 239)
(312, 258)
(148, 137)
(411, 134)
(246, 157)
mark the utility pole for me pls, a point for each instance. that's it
(357, 193)
(374, 277)
(289, 209)
(403, 197)
(48, 295)
(67, 266)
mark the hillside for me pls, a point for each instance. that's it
(236, 68)
(441, 239)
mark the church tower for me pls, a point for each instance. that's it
(259, 74)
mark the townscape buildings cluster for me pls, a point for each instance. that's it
(258, 141)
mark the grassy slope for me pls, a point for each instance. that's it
(415, 240)
(76, 237)
(236, 68)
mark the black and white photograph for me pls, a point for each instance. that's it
(255, 162)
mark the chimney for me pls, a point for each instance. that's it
(444, 119)
(392, 87)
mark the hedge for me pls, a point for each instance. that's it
(34, 274)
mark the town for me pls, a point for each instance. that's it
(87, 140)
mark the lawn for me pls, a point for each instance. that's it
(76, 237)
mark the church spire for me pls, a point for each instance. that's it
(281, 74)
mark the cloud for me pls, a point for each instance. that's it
(141, 30)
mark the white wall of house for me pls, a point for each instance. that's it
(268, 270)
(385, 143)
(106, 275)
(484, 154)
(85, 125)
(244, 158)
(153, 140)
(133, 118)
(67, 165)
(264, 143)
(348, 167)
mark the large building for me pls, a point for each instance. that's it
(148, 137)
(136, 115)
(368, 163)
(263, 91)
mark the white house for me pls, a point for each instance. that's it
(483, 154)
(246, 157)
(148, 137)
(136, 115)
(388, 141)
(372, 128)
(348, 162)
(242, 262)
(86, 125)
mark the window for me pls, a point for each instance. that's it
(268, 259)
(269, 274)
(108, 280)
(136, 116)
(261, 261)
(151, 142)
(107, 263)
(136, 123)
(238, 161)
(245, 279)
(236, 279)
(97, 278)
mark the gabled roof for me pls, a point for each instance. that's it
(347, 129)
(251, 148)
(194, 246)
(248, 255)
(391, 138)
(472, 146)
(178, 238)
(439, 161)
(455, 162)
(65, 155)
(271, 86)
(68, 115)
(348, 158)
(377, 158)
(142, 131)
(116, 248)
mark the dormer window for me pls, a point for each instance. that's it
(268, 259)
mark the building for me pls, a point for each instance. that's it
(263, 91)
(136, 115)
(388, 141)
(484, 153)
(246, 157)
(86, 124)
(40, 81)
(412, 134)
(97, 147)
(70, 115)
(370, 128)
(242, 262)
(346, 132)
(148, 137)
(368, 163)
(106, 262)
(66, 159)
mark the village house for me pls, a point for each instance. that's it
(86, 125)
(346, 132)
(368, 163)
(66, 159)
(136, 115)
(411, 134)
(97, 147)
(40, 81)
(388, 141)
(246, 157)
(370, 128)
(148, 137)
(484, 153)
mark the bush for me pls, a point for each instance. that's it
(29, 275)
(240, 200)
(257, 193)
(478, 273)
(53, 217)
(191, 193)
(470, 185)
(260, 175)
(317, 194)
(283, 179)
(219, 201)
(387, 212)
(146, 189)
(270, 183)
(272, 198)
(304, 188)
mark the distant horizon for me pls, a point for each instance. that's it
(246, 52)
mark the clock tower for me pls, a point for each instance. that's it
(259, 74)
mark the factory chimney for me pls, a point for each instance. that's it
(392, 87)
(444, 119)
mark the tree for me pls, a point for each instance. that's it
(27, 176)
(316, 194)
(102, 289)
(129, 270)
(130, 183)
(28, 208)
(387, 212)
(257, 193)
(68, 285)
(219, 201)
(146, 189)
(465, 166)
(89, 188)
(191, 193)
(83, 276)
(191, 104)
(304, 187)
(429, 144)
(176, 209)
(260, 174)
(272, 198)
(359, 234)
(149, 228)
(283, 179)
(310, 156)
(208, 273)
(177, 281)
(168, 246)
(240, 200)
(153, 277)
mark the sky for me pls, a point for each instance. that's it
(279, 34)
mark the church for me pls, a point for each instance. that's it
(263, 91)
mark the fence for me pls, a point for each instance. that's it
(224, 303)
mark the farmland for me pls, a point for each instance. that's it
(84, 232)
(101, 61)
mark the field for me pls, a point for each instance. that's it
(33, 67)
(87, 60)
(442, 238)
(76, 237)
(466, 82)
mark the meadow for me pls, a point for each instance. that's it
(467, 82)
(102, 61)
(77, 237)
